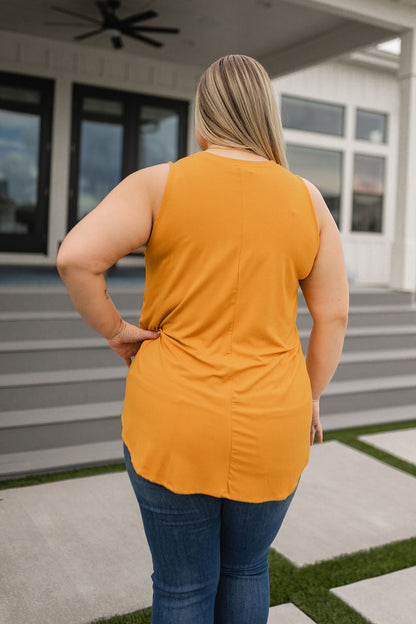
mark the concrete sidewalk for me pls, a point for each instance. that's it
(74, 551)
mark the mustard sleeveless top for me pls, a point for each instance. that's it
(221, 402)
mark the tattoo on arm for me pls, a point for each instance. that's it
(106, 295)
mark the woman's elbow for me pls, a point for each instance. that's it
(334, 314)
(66, 259)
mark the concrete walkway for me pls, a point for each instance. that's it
(74, 551)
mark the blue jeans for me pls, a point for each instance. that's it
(210, 555)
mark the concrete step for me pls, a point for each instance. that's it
(31, 326)
(361, 365)
(364, 316)
(56, 298)
(59, 434)
(56, 427)
(61, 387)
(366, 394)
(67, 387)
(373, 338)
(40, 297)
(43, 410)
(58, 459)
(51, 325)
(24, 356)
(362, 418)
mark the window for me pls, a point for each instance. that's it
(368, 193)
(370, 126)
(323, 168)
(312, 116)
(25, 143)
(158, 135)
(115, 133)
(101, 150)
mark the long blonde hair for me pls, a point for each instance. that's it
(235, 107)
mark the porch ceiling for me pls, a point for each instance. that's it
(285, 35)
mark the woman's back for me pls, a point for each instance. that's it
(221, 403)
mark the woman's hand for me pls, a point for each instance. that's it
(316, 427)
(126, 342)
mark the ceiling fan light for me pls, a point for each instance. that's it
(112, 32)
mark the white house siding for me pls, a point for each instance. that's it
(354, 86)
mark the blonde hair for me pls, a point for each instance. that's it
(235, 107)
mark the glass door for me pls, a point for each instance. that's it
(25, 146)
(115, 133)
(97, 151)
(158, 135)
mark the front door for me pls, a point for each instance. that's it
(115, 133)
(25, 152)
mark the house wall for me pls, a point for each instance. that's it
(368, 255)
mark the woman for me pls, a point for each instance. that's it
(220, 408)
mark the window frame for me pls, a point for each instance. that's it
(36, 241)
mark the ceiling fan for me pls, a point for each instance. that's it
(115, 27)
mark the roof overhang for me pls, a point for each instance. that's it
(284, 35)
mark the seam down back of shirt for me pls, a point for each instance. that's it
(220, 403)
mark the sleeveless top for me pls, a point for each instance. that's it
(221, 402)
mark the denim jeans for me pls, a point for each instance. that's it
(210, 555)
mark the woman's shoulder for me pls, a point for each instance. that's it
(321, 209)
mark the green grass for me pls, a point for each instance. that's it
(137, 617)
(51, 477)
(350, 437)
(308, 587)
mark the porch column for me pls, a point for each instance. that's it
(403, 262)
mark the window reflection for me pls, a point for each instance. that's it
(324, 169)
(371, 126)
(312, 116)
(100, 163)
(19, 171)
(368, 194)
(158, 136)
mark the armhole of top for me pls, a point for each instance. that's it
(313, 213)
(165, 197)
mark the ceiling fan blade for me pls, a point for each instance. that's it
(102, 7)
(138, 17)
(85, 17)
(64, 24)
(134, 35)
(117, 42)
(159, 29)
(88, 34)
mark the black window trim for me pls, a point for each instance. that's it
(37, 241)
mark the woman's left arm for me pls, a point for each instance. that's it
(120, 224)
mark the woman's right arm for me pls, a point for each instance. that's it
(327, 297)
